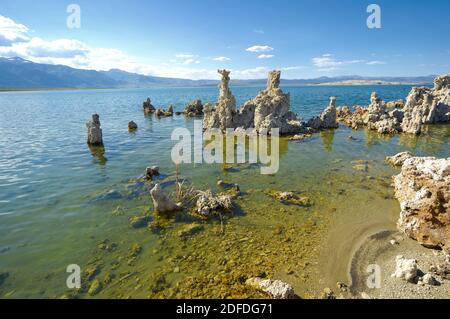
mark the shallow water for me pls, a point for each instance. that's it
(50, 218)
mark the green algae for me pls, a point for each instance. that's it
(264, 237)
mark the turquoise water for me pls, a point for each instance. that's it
(50, 215)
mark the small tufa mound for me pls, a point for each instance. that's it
(161, 202)
(151, 172)
(208, 205)
(406, 269)
(132, 126)
(275, 288)
(326, 120)
(95, 136)
(194, 108)
(148, 107)
(164, 113)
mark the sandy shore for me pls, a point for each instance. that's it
(381, 249)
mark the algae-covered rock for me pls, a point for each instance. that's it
(91, 272)
(398, 159)
(3, 277)
(135, 250)
(289, 198)
(95, 287)
(139, 221)
(190, 230)
(161, 202)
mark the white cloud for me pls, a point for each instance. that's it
(260, 31)
(291, 68)
(265, 56)
(376, 63)
(259, 48)
(15, 40)
(222, 58)
(254, 73)
(11, 32)
(326, 63)
(191, 61)
(185, 56)
(327, 55)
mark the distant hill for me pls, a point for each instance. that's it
(17, 73)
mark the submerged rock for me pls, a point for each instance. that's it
(94, 133)
(3, 277)
(95, 287)
(111, 194)
(398, 159)
(300, 137)
(289, 198)
(190, 230)
(161, 202)
(139, 221)
(406, 269)
(275, 288)
(423, 190)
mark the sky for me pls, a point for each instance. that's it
(193, 38)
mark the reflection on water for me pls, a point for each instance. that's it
(63, 203)
(98, 152)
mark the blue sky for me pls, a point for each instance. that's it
(192, 39)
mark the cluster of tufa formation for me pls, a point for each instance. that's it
(427, 106)
(327, 119)
(164, 113)
(95, 136)
(423, 106)
(194, 108)
(148, 107)
(423, 190)
(270, 109)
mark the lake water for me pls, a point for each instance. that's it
(51, 214)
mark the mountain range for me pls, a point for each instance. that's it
(17, 73)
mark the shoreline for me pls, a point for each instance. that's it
(381, 248)
(8, 90)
